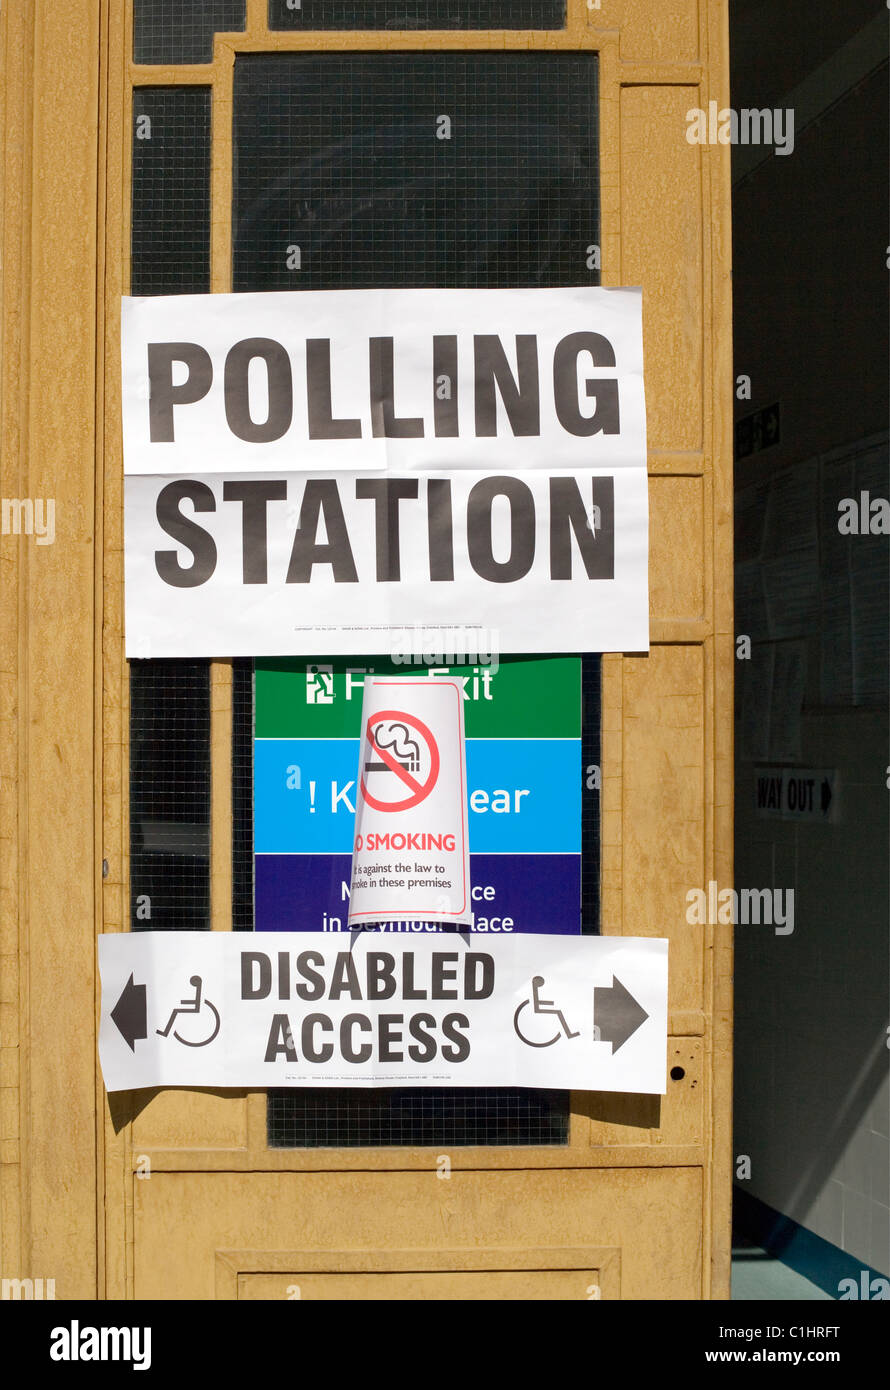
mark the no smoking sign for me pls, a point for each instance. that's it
(411, 858)
(401, 751)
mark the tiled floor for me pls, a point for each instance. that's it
(757, 1275)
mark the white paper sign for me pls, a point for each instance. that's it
(313, 571)
(326, 470)
(382, 1009)
(398, 380)
(411, 851)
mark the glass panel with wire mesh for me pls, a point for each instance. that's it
(417, 14)
(170, 700)
(170, 233)
(181, 31)
(367, 170)
(464, 1116)
(169, 795)
(429, 169)
(242, 795)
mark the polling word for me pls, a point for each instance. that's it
(387, 379)
(273, 397)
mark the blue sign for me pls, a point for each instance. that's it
(524, 789)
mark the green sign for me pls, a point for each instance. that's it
(522, 697)
(524, 776)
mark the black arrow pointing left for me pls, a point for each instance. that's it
(130, 1014)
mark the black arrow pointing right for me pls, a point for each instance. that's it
(130, 1013)
(616, 1014)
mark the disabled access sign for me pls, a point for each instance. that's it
(370, 1009)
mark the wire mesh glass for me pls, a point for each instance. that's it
(347, 176)
(242, 795)
(181, 31)
(170, 240)
(170, 700)
(169, 795)
(344, 177)
(459, 1117)
(417, 14)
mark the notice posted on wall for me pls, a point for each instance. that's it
(363, 1009)
(324, 471)
(525, 775)
(411, 852)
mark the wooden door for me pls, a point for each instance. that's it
(193, 1194)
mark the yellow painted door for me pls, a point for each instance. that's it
(233, 1195)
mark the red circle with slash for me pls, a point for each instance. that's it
(419, 790)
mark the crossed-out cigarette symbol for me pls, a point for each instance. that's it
(388, 733)
(406, 750)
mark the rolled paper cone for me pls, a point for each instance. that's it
(410, 853)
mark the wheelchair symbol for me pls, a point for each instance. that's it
(192, 1006)
(542, 1006)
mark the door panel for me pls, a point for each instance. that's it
(197, 1235)
(483, 1284)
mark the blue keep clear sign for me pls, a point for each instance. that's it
(524, 779)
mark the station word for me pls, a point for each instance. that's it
(500, 527)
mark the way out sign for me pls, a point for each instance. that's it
(795, 793)
(411, 855)
(371, 1009)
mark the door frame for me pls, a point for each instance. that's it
(69, 1158)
